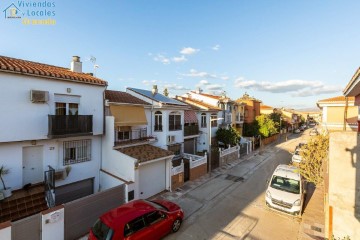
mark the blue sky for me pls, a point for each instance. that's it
(285, 53)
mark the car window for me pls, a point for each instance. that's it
(134, 226)
(154, 217)
(101, 230)
(285, 184)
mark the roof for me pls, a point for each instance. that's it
(338, 99)
(198, 103)
(145, 153)
(190, 116)
(18, 66)
(217, 97)
(349, 89)
(246, 97)
(157, 97)
(266, 107)
(287, 171)
(123, 97)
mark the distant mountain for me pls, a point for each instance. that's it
(309, 110)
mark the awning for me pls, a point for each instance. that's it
(128, 115)
(190, 117)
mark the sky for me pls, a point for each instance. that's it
(285, 53)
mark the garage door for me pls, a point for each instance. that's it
(189, 146)
(73, 191)
(152, 179)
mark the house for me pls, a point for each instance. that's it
(251, 109)
(342, 176)
(339, 113)
(52, 124)
(291, 117)
(265, 109)
(128, 156)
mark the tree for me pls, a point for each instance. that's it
(228, 136)
(313, 154)
(267, 126)
(251, 129)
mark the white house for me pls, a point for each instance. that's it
(128, 156)
(51, 119)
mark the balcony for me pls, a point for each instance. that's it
(67, 126)
(239, 118)
(191, 130)
(132, 137)
(175, 127)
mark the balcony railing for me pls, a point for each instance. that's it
(62, 125)
(239, 118)
(191, 130)
(175, 127)
(133, 136)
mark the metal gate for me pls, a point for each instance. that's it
(243, 149)
(215, 158)
(27, 228)
(81, 214)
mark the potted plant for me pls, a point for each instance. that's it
(6, 190)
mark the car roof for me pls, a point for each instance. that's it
(127, 212)
(287, 171)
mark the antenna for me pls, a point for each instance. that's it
(93, 60)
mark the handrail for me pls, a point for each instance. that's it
(49, 182)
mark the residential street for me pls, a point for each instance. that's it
(229, 207)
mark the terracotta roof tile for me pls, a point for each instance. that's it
(144, 153)
(20, 66)
(265, 107)
(190, 116)
(122, 97)
(336, 99)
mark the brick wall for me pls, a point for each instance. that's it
(269, 140)
(198, 171)
(177, 181)
(229, 158)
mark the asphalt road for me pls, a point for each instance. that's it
(232, 205)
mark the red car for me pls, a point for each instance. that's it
(139, 219)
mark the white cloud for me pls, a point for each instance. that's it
(189, 51)
(214, 87)
(216, 47)
(179, 59)
(175, 86)
(161, 58)
(224, 78)
(195, 73)
(149, 82)
(298, 88)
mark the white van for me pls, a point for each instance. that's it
(286, 190)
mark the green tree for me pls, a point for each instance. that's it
(251, 129)
(228, 136)
(313, 154)
(267, 126)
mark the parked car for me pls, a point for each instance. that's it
(300, 145)
(138, 219)
(314, 132)
(286, 190)
(297, 131)
(296, 157)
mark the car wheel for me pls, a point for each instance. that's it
(176, 225)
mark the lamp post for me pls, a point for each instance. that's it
(211, 120)
(280, 127)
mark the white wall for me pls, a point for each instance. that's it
(114, 161)
(5, 233)
(11, 157)
(209, 100)
(23, 120)
(52, 225)
(107, 181)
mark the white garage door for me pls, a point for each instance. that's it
(152, 179)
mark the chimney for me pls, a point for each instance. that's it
(198, 90)
(154, 90)
(76, 65)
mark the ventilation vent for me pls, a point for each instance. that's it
(39, 96)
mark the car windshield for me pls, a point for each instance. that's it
(101, 230)
(285, 184)
(157, 205)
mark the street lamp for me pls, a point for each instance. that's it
(211, 120)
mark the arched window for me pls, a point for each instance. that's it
(174, 121)
(158, 121)
(213, 120)
(203, 120)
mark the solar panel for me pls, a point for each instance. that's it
(157, 97)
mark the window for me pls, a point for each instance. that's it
(123, 133)
(213, 120)
(66, 108)
(154, 217)
(203, 120)
(176, 149)
(77, 151)
(174, 121)
(135, 225)
(158, 121)
(101, 230)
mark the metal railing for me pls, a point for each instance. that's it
(49, 182)
(128, 136)
(175, 127)
(60, 125)
(191, 130)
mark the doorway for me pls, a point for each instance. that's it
(32, 159)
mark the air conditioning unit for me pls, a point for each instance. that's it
(171, 138)
(37, 96)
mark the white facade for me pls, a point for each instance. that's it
(24, 140)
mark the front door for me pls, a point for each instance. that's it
(33, 171)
